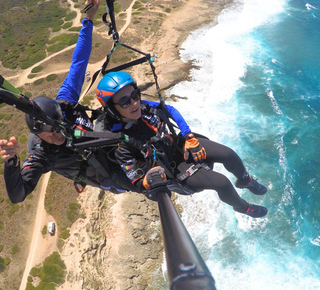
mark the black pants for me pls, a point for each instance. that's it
(209, 179)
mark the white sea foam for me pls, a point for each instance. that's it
(222, 54)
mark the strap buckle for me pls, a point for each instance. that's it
(192, 170)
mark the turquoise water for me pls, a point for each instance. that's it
(257, 90)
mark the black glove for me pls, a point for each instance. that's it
(154, 176)
(193, 149)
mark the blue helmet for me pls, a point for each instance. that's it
(111, 83)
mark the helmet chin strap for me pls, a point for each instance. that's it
(114, 115)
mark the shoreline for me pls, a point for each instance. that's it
(167, 42)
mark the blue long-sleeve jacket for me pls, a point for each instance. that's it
(182, 124)
(72, 85)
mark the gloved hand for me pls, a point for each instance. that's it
(154, 176)
(193, 149)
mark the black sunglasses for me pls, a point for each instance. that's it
(125, 101)
(39, 127)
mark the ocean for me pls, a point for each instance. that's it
(256, 89)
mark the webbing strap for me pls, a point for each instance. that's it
(192, 170)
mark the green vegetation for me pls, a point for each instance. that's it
(67, 25)
(6, 117)
(2, 266)
(60, 42)
(14, 208)
(15, 249)
(39, 82)
(64, 234)
(37, 69)
(87, 100)
(23, 139)
(70, 16)
(23, 154)
(7, 261)
(44, 230)
(51, 77)
(31, 76)
(77, 29)
(73, 213)
(51, 273)
(20, 45)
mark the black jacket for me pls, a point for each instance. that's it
(44, 157)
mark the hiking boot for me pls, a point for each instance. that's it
(253, 186)
(255, 211)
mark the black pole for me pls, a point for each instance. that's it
(186, 268)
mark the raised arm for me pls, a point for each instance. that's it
(72, 85)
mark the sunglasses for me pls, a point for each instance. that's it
(125, 101)
(40, 127)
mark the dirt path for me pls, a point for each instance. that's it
(37, 251)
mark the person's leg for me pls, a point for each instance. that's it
(232, 162)
(222, 154)
(208, 179)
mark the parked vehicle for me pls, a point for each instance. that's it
(51, 228)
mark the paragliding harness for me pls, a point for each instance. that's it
(11, 96)
(148, 149)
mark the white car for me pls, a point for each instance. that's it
(51, 228)
(87, 72)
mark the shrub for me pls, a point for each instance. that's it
(2, 266)
(71, 16)
(65, 234)
(51, 273)
(31, 76)
(75, 29)
(44, 230)
(67, 25)
(7, 261)
(7, 117)
(38, 82)
(14, 208)
(15, 249)
(37, 69)
(51, 77)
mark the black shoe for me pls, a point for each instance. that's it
(253, 186)
(256, 211)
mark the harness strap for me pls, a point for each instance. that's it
(97, 165)
(192, 170)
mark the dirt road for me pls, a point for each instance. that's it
(40, 247)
